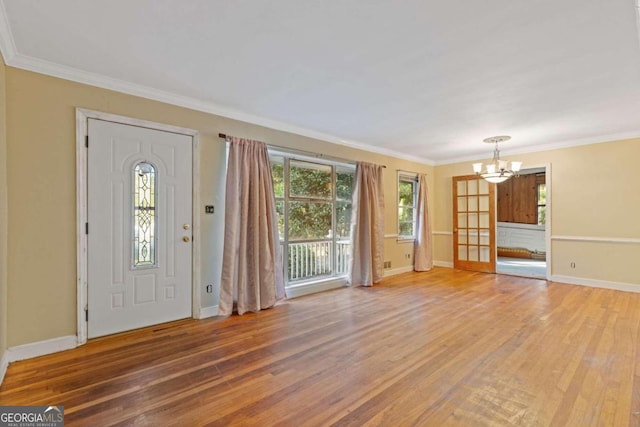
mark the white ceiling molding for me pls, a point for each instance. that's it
(56, 70)
(416, 82)
(16, 60)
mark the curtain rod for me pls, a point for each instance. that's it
(302, 152)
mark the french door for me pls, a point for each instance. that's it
(474, 224)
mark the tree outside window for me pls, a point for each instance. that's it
(313, 203)
(407, 187)
(542, 204)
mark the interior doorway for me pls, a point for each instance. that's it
(523, 222)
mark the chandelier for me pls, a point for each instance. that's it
(496, 171)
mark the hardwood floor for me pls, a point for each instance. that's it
(444, 348)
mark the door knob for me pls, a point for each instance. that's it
(185, 239)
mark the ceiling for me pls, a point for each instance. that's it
(420, 79)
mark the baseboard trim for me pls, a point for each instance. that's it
(4, 364)
(395, 271)
(40, 348)
(206, 312)
(312, 288)
(618, 286)
(446, 264)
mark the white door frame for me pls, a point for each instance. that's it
(82, 117)
(547, 227)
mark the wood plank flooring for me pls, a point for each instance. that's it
(443, 348)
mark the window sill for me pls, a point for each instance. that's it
(314, 286)
(406, 239)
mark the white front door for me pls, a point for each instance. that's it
(139, 227)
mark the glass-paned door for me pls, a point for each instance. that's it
(474, 228)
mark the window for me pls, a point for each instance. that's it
(313, 203)
(542, 204)
(407, 199)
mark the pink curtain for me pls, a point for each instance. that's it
(251, 263)
(422, 247)
(367, 226)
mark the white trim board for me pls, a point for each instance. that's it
(618, 286)
(82, 117)
(4, 364)
(592, 239)
(445, 264)
(395, 271)
(41, 348)
(206, 312)
(319, 286)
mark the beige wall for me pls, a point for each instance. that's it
(42, 198)
(594, 193)
(3, 212)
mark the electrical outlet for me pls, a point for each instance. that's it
(387, 264)
(573, 265)
(209, 289)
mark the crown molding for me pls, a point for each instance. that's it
(17, 60)
(79, 76)
(14, 59)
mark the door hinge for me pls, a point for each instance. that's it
(86, 228)
(86, 314)
(86, 141)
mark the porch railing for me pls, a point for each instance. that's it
(307, 260)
